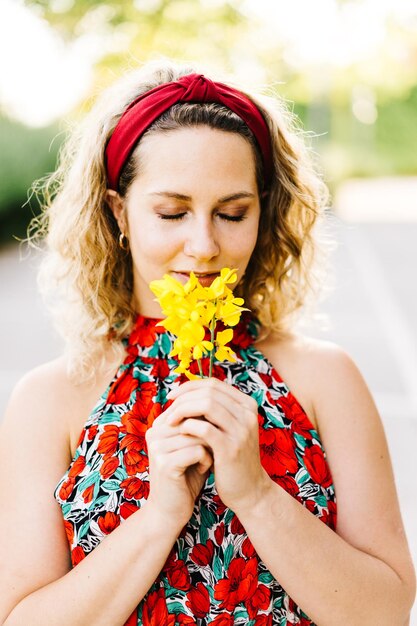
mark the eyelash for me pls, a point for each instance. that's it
(227, 218)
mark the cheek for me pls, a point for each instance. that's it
(245, 243)
(149, 241)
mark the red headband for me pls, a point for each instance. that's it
(143, 111)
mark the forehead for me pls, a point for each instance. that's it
(200, 153)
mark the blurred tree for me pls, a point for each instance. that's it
(188, 29)
(26, 154)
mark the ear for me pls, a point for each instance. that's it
(117, 206)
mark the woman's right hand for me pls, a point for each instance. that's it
(178, 467)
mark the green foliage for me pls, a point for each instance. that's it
(202, 30)
(26, 154)
(396, 134)
(385, 148)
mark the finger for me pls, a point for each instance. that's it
(183, 440)
(218, 385)
(162, 417)
(223, 415)
(206, 432)
(192, 455)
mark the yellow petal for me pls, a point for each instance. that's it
(190, 376)
(224, 336)
(225, 354)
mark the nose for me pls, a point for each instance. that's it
(201, 242)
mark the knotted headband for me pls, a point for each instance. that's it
(143, 111)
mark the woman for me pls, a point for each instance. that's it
(210, 500)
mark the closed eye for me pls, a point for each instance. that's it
(223, 216)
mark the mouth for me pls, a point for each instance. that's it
(204, 278)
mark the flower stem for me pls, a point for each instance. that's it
(212, 327)
(200, 368)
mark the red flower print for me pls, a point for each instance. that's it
(171, 558)
(198, 600)
(134, 488)
(108, 441)
(329, 516)
(92, 432)
(203, 554)
(331, 505)
(178, 575)
(225, 619)
(216, 372)
(288, 484)
(135, 425)
(241, 336)
(316, 466)
(220, 507)
(259, 601)
(81, 437)
(122, 388)
(247, 548)
(264, 620)
(185, 620)
(154, 412)
(69, 530)
(236, 526)
(66, 488)
(88, 494)
(160, 369)
(219, 534)
(155, 612)
(310, 505)
(127, 509)
(77, 555)
(266, 379)
(300, 423)
(240, 584)
(109, 466)
(77, 467)
(277, 451)
(145, 332)
(135, 462)
(108, 522)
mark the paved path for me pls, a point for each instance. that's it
(372, 314)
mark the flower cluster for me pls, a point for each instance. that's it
(190, 309)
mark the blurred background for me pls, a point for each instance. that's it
(347, 68)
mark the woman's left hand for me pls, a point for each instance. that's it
(231, 431)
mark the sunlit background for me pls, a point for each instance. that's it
(348, 69)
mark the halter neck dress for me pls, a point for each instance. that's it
(213, 574)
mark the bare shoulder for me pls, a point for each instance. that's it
(44, 389)
(311, 368)
(50, 404)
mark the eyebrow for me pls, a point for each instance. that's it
(179, 196)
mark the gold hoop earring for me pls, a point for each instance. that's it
(123, 241)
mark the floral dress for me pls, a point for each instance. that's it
(213, 574)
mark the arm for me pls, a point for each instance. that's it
(37, 584)
(363, 572)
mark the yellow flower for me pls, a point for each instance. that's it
(224, 353)
(230, 310)
(191, 308)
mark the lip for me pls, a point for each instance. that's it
(204, 278)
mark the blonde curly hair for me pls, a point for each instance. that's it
(88, 278)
